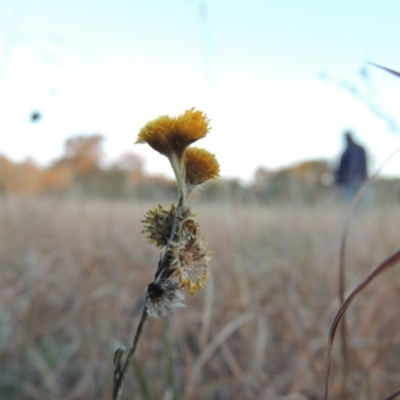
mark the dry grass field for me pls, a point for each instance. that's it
(73, 273)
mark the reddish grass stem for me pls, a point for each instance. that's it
(389, 262)
(342, 275)
(342, 285)
(393, 395)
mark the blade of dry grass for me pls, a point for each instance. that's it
(85, 323)
(391, 71)
(389, 262)
(342, 281)
(342, 270)
(393, 395)
(207, 313)
(48, 375)
(219, 339)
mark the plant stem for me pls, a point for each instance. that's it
(178, 165)
(120, 374)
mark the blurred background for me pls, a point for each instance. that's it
(281, 82)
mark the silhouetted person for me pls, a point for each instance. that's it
(352, 171)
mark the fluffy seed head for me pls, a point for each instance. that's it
(163, 297)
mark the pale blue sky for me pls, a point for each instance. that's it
(109, 66)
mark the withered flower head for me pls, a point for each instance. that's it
(162, 297)
(173, 135)
(190, 261)
(158, 225)
(188, 231)
(201, 166)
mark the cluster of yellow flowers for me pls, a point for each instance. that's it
(185, 260)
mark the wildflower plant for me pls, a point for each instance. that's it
(184, 261)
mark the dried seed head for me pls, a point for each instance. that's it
(190, 261)
(162, 297)
(158, 225)
(188, 232)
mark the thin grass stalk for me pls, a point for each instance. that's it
(213, 346)
(144, 380)
(170, 370)
(391, 71)
(207, 314)
(342, 285)
(342, 271)
(393, 395)
(389, 262)
(120, 373)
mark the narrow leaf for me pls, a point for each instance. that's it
(389, 262)
(391, 71)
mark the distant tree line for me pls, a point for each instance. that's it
(81, 171)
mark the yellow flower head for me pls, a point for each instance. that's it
(200, 166)
(173, 135)
(190, 261)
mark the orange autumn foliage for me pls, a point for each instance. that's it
(27, 178)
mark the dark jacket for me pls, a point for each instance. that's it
(353, 165)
